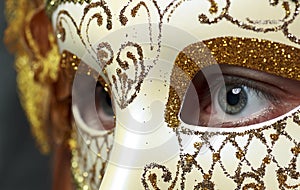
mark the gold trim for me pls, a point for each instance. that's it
(263, 55)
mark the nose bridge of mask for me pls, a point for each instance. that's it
(140, 125)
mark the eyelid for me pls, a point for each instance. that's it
(284, 87)
(280, 94)
(263, 90)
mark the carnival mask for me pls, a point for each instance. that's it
(182, 94)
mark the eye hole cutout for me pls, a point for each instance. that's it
(93, 102)
(231, 96)
(104, 106)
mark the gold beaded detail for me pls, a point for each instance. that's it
(87, 175)
(244, 170)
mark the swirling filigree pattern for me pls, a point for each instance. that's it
(280, 25)
(64, 15)
(126, 87)
(246, 173)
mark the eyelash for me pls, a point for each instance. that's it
(260, 90)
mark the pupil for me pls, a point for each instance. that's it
(233, 96)
(106, 103)
(108, 100)
(232, 99)
(103, 100)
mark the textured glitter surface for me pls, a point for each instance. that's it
(262, 55)
(247, 173)
(283, 27)
(64, 15)
(88, 175)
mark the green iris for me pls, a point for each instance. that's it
(232, 99)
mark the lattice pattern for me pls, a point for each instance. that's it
(263, 158)
(90, 158)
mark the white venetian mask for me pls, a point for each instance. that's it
(204, 93)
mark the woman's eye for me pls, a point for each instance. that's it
(237, 101)
(227, 100)
(92, 103)
(233, 99)
(103, 101)
(104, 107)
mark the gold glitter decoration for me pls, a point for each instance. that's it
(239, 154)
(262, 55)
(245, 174)
(267, 160)
(284, 25)
(105, 55)
(274, 137)
(296, 150)
(214, 7)
(123, 19)
(123, 97)
(198, 145)
(167, 176)
(73, 65)
(52, 5)
(153, 180)
(64, 15)
(189, 158)
(88, 175)
(206, 176)
(216, 157)
(121, 80)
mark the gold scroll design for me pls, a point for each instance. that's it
(253, 178)
(126, 87)
(132, 8)
(104, 55)
(126, 84)
(281, 24)
(63, 17)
